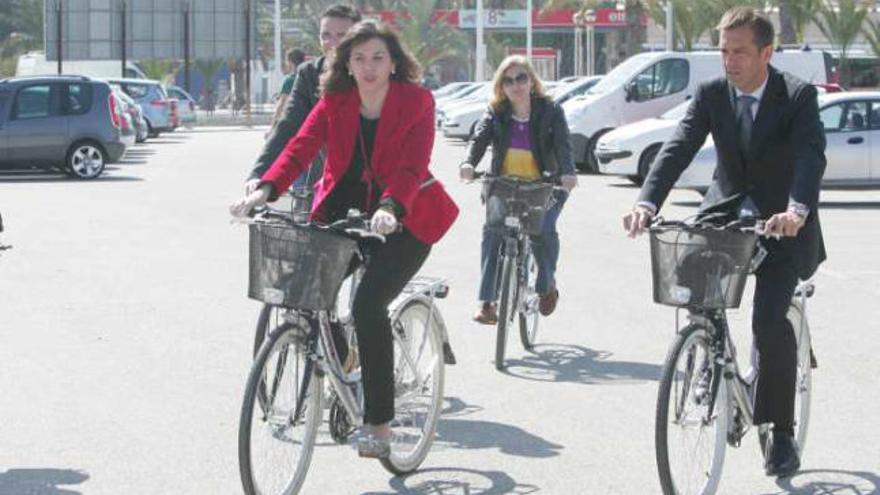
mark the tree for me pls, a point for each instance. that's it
(430, 42)
(787, 33)
(208, 68)
(155, 69)
(841, 24)
(692, 19)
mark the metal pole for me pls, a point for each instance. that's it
(186, 54)
(278, 70)
(670, 39)
(591, 67)
(123, 35)
(479, 69)
(247, 61)
(58, 31)
(529, 30)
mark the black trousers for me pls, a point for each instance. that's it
(389, 267)
(776, 280)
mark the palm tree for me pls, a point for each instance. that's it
(155, 69)
(430, 42)
(208, 68)
(787, 33)
(796, 14)
(841, 24)
(692, 19)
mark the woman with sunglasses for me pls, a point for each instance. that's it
(529, 137)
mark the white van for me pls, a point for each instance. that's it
(648, 84)
(35, 64)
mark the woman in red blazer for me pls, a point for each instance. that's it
(377, 126)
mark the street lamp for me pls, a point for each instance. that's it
(590, 22)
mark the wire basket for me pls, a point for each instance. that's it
(526, 200)
(297, 266)
(700, 267)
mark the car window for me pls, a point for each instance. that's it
(662, 79)
(79, 99)
(4, 98)
(874, 115)
(856, 117)
(33, 102)
(136, 90)
(831, 116)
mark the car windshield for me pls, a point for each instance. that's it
(620, 74)
(465, 91)
(677, 112)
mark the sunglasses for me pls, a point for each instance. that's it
(521, 78)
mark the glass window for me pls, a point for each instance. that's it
(856, 117)
(33, 102)
(135, 90)
(830, 117)
(664, 78)
(79, 99)
(874, 116)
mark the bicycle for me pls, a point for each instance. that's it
(283, 402)
(704, 403)
(270, 314)
(523, 205)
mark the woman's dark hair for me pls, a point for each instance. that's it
(406, 68)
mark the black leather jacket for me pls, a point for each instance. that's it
(548, 132)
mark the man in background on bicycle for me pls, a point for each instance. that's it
(771, 158)
(336, 20)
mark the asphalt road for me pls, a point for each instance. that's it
(125, 338)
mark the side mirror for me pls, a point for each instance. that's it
(631, 91)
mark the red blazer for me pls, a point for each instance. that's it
(400, 156)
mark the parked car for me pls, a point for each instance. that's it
(459, 119)
(137, 115)
(186, 107)
(153, 100)
(449, 88)
(477, 92)
(648, 84)
(575, 88)
(630, 150)
(70, 123)
(852, 134)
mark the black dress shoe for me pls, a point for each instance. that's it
(448, 356)
(782, 456)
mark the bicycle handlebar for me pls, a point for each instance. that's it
(356, 224)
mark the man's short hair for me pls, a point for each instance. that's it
(760, 25)
(295, 56)
(341, 11)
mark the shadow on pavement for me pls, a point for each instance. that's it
(48, 481)
(507, 439)
(578, 364)
(54, 177)
(831, 482)
(850, 205)
(456, 481)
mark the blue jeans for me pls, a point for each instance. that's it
(545, 247)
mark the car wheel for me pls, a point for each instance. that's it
(590, 164)
(85, 160)
(645, 162)
(150, 132)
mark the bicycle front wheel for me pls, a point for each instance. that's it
(528, 310)
(506, 309)
(690, 439)
(270, 317)
(418, 385)
(280, 416)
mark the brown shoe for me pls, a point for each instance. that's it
(547, 304)
(487, 315)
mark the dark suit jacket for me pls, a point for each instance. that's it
(304, 96)
(785, 161)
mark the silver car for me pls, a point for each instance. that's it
(71, 123)
(153, 100)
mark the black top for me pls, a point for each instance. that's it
(354, 188)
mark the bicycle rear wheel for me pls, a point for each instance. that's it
(690, 440)
(528, 310)
(506, 309)
(803, 390)
(418, 385)
(280, 416)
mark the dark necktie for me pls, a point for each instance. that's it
(744, 121)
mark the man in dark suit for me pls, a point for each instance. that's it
(335, 23)
(771, 157)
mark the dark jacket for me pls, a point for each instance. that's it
(548, 133)
(785, 160)
(304, 96)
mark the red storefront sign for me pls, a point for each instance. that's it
(552, 19)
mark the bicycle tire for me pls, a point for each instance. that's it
(505, 310)
(409, 394)
(803, 382)
(257, 413)
(695, 381)
(529, 317)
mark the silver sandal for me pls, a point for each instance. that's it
(374, 448)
